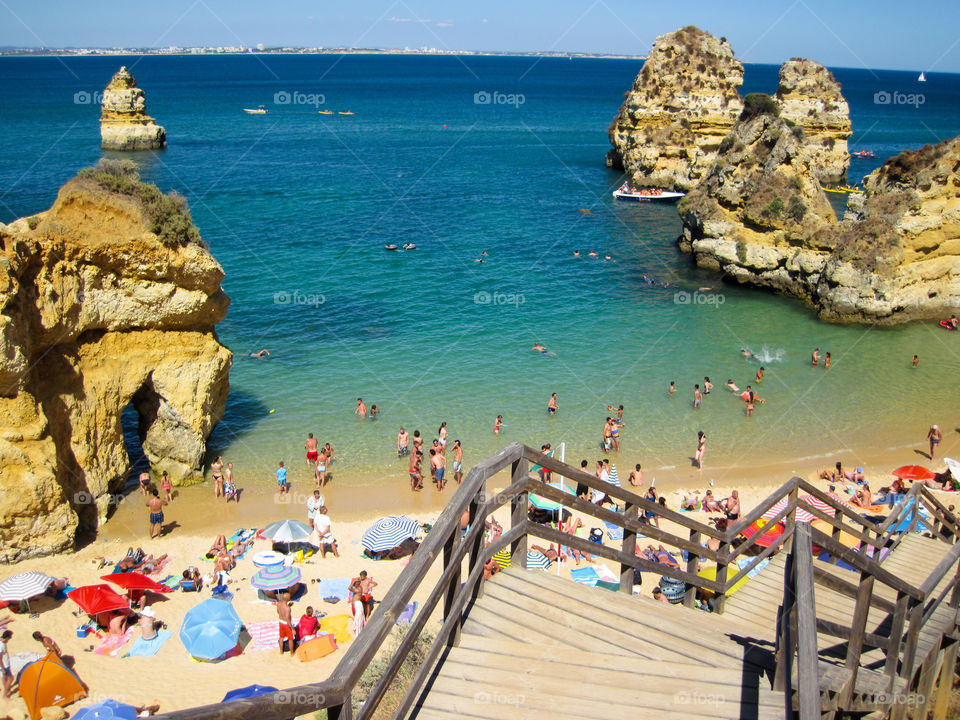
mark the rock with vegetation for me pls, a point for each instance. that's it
(124, 123)
(107, 300)
(761, 218)
(810, 97)
(682, 105)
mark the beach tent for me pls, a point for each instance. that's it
(386, 533)
(210, 629)
(108, 709)
(287, 531)
(96, 599)
(49, 682)
(276, 577)
(23, 586)
(248, 692)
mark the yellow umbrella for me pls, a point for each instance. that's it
(710, 573)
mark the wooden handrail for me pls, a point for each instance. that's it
(936, 575)
(757, 512)
(756, 560)
(944, 515)
(901, 506)
(753, 539)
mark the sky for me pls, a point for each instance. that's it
(917, 35)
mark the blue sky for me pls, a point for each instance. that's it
(917, 35)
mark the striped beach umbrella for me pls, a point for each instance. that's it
(543, 503)
(800, 515)
(287, 531)
(536, 560)
(24, 585)
(276, 577)
(386, 533)
(614, 477)
(502, 558)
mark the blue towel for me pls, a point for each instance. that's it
(406, 617)
(613, 532)
(334, 588)
(586, 576)
(146, 648)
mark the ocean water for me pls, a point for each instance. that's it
(298, 206)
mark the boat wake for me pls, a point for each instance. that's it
(764, 355)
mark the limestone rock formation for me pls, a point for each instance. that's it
(107, 299)
(683, 103)
(761, 217)
(124, 123)
(810, 96)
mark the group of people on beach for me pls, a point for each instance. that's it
(438, 457)
(321, 457)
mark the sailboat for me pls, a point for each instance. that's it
(922, 78)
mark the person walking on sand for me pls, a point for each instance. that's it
(313, 507)
(361, 588)
(403, 443)
(701, 448)
(311, 447)
(156, 504)
(552, 406)
(457, 461)
(216, 469)
(6, 669)
(815, 357)
(167, 486)
(361, 410)
(144, 483)
(934, 435)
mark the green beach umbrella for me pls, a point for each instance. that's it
(543, 503)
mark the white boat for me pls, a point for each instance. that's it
(922, 78)
(256, 111)
(625, 192)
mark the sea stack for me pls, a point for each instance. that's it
(683, 103)
(108, 300)
(124, 123)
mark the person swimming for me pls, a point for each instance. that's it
(732, 385)
(539, 348)
(262, 353)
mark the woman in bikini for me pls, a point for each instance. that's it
(322, 468)
(216, 468)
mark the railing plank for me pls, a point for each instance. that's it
(947, 517)
(858, 629)
(808, 663)
(628, 546)
(848, 589)
(757, 512)
(834, 629)
(518, 511)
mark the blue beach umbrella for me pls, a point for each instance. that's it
(210, 629)
(276, 577)
(543, 503)
(386, 533)
(248, 692)
(536, 560)
(108, 709)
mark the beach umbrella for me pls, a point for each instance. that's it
(276, 577)
(502, 558)
(23, 586)
(248, 692)
(210, 629)
(771, 533)
(543, 503)
(287, 531)
(386, 533)
(95, 599)
(108, 709)
(49, 682)
(800, 515)
(954, 467)
(135, 581)
(913, 472)
(536, 560)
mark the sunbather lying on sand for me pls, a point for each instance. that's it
(549, 552)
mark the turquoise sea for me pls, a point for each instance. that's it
(297, 207)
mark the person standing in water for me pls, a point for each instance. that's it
(442, 434)
(826, 362)
(707, 385)
(552, 406)
(915, 362)
(403, 443)
(701, 448)
(361, 409)
(673, 388)
(815, 357)
(216, 468)
(497, 424)
(311, 447)
(457, 461)
(760, 373)
(934, 435)
(697, 396)
(636, 476)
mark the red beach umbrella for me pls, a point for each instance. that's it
(96, 599)
(135, 581)
(913, 472)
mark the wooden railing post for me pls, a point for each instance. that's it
(476, 552)
(723, 563)
(899, 696)
(453, 639)
(786, 632)
(341, 712)
(518, 513)
(629, 546)
(808, 662)
(693, 565)
(858, 629)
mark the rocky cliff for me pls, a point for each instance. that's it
(683, 103)
(810, 97)
(686, 100)
(107, 299)
(124, 123)
(761, 217)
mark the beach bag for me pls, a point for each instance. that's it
(596, 535)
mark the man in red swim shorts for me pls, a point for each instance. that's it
(311, 447)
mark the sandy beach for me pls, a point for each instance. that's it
(175, 680)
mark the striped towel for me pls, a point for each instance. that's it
(111, 646)
(613, 477)
(613, 531)
(265, 635)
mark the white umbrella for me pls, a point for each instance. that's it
(287, 531)
(24, 586)
(953, 466)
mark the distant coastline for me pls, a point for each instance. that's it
(115, 52)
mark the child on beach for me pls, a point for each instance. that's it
(167, 486)
(282, 486)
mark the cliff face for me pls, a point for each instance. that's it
(810, 97)
(107, 299)
(124, 123)
(762, 218)
(683, 103)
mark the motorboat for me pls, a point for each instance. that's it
(261, 110)
(625, 192)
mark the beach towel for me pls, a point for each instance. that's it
(606, 574)
(111, 646)
(147, 648)
(613, 532)
(406, 617)
(338, 625)
(158, 570)
(265, 635)
(744, 561)
(334, 588)
(585, 576)
(171, 581)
